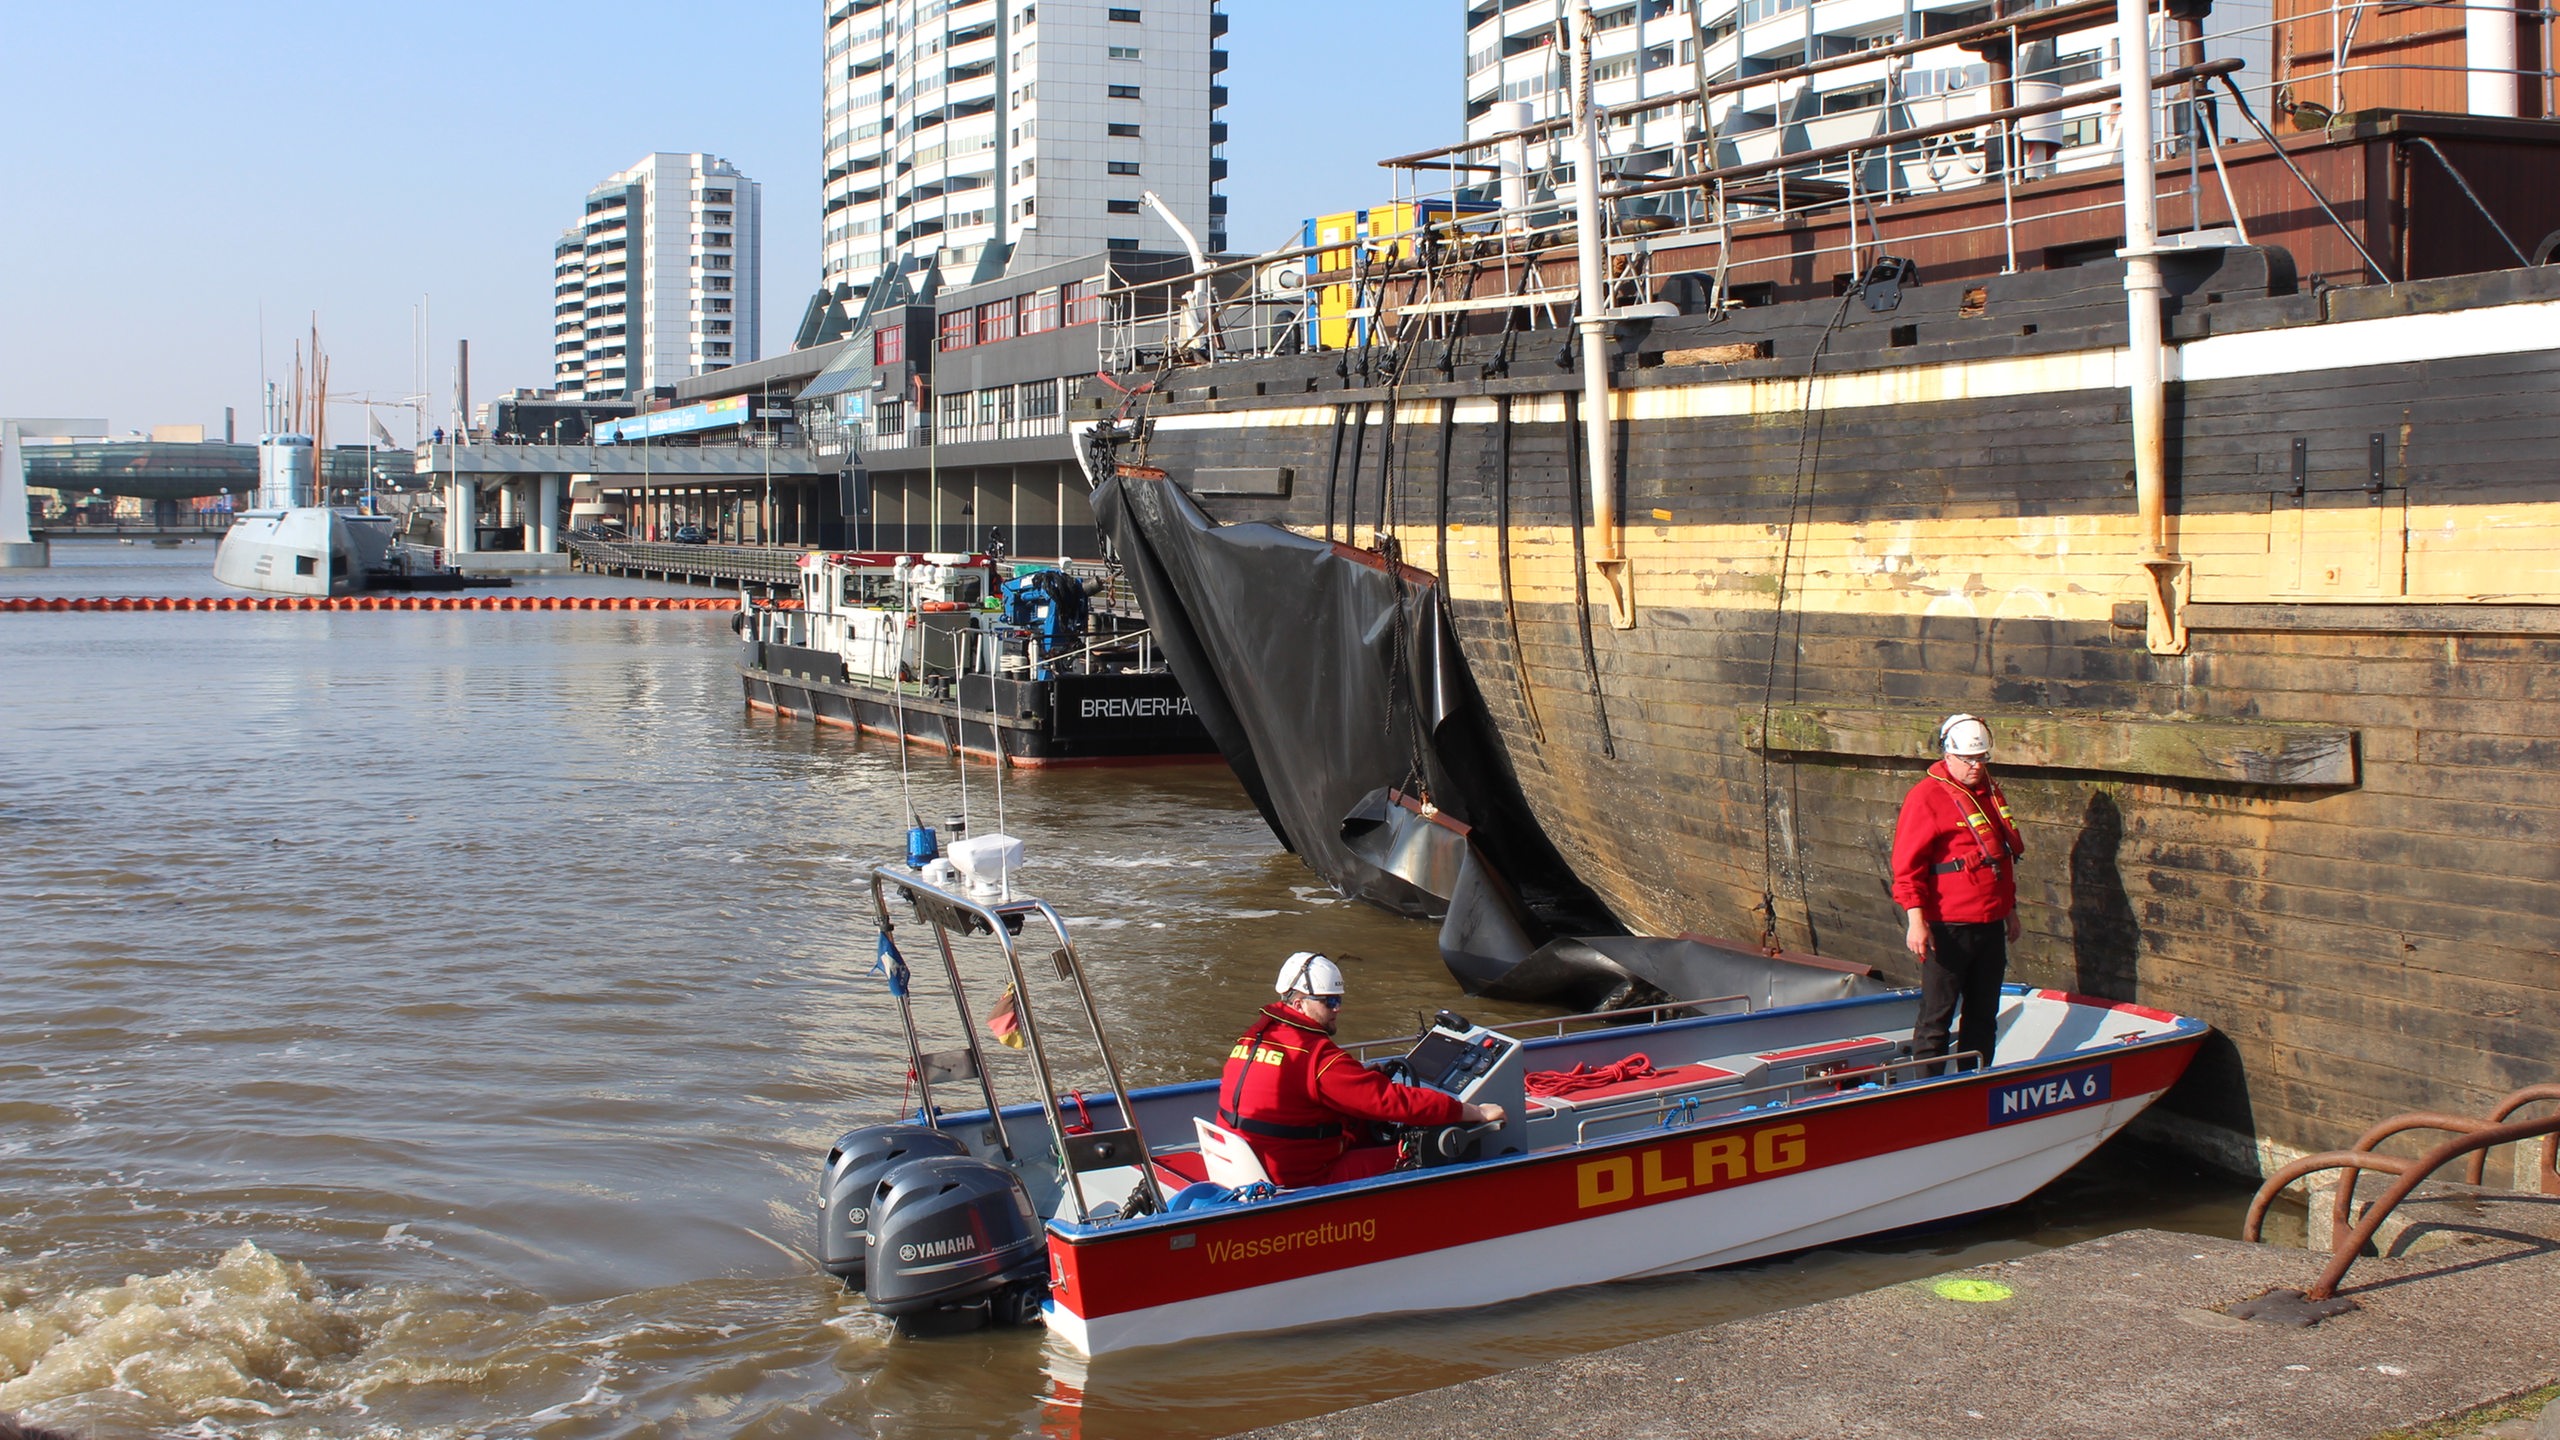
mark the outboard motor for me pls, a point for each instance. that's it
(949, 1231)
(854, 1168)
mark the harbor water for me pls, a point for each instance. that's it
(430, 1025)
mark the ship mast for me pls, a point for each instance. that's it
(1592, 319)
(2143, 295)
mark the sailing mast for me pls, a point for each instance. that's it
(1592, 319)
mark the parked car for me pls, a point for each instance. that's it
(691, 535)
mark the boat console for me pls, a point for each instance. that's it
(1479, 1066)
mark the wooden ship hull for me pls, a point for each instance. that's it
(2300, 784)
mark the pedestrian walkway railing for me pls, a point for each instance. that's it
(750, 564)
(2469, 1136)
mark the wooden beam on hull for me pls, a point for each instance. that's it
(2229, 751)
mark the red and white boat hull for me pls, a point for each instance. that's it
(1684, 1197)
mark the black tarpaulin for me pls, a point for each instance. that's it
(1327, 676)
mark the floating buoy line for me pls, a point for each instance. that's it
(50, 604)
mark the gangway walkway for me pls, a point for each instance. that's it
(764, 565)
(778, 567)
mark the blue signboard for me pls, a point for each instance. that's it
(2050, 1094)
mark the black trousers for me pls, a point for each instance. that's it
(1967, 965)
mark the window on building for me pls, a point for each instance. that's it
(719, 348)
(957, 327)
(890, 420)
(951, 420)
(889, 347)
(995, 321)
(718, 197)
(1125, 17)
(1040, 311)
(1121, 207)
(1120, 242)
(1083, 299)
(716, 282)
(1039, 407)
(1123, 129)
(1121, 167)
(1124, 92)
(1124, 52)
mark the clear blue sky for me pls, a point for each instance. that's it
(176, 166)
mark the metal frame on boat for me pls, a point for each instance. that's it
(1732, 1136)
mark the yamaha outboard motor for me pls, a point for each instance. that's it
(854, 1168)
(948, 1231)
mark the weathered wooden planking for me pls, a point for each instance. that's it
(2455, 618)
(2234, 751)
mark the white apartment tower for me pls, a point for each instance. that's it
(1516, 75)
(952, 125)
(660, 279)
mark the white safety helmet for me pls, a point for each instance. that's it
(1310, 973)
(1964, 735)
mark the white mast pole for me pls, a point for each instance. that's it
(2143, 295)
(1592, 318)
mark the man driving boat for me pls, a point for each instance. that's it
(1304, 1104)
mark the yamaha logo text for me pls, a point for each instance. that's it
(936, 1249)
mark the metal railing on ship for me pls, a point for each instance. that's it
(1683, 175)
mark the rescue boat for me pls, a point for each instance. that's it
(1667, 1138)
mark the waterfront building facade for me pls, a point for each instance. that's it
(1025, 130)
(1517, 76)
(660, 279)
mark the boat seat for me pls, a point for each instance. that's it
(1678, 1077)
(1852, 1053)
(1177, 1168)
(1226, 1157)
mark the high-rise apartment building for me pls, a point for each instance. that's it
(1516, 77)
(1035, 126)
(659, 280)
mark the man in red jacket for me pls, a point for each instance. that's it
(1302, 1102)
(1955, 853)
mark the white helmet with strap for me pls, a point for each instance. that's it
(1309, 973)
(1964, 735)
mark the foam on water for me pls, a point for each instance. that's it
(240, 1338)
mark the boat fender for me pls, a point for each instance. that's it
(921, 847)
(952, 1231)
(852, 1176)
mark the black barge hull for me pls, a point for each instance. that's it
(1122, 719)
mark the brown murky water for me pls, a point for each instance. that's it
(431, 1025)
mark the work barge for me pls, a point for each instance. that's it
(2256, 577)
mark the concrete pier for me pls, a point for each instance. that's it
(19, 549)
(2105, 1340)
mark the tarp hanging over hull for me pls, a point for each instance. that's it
(1495, 947)
(1326, 676)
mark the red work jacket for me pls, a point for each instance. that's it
(1297, 1098)
(1955, 851)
